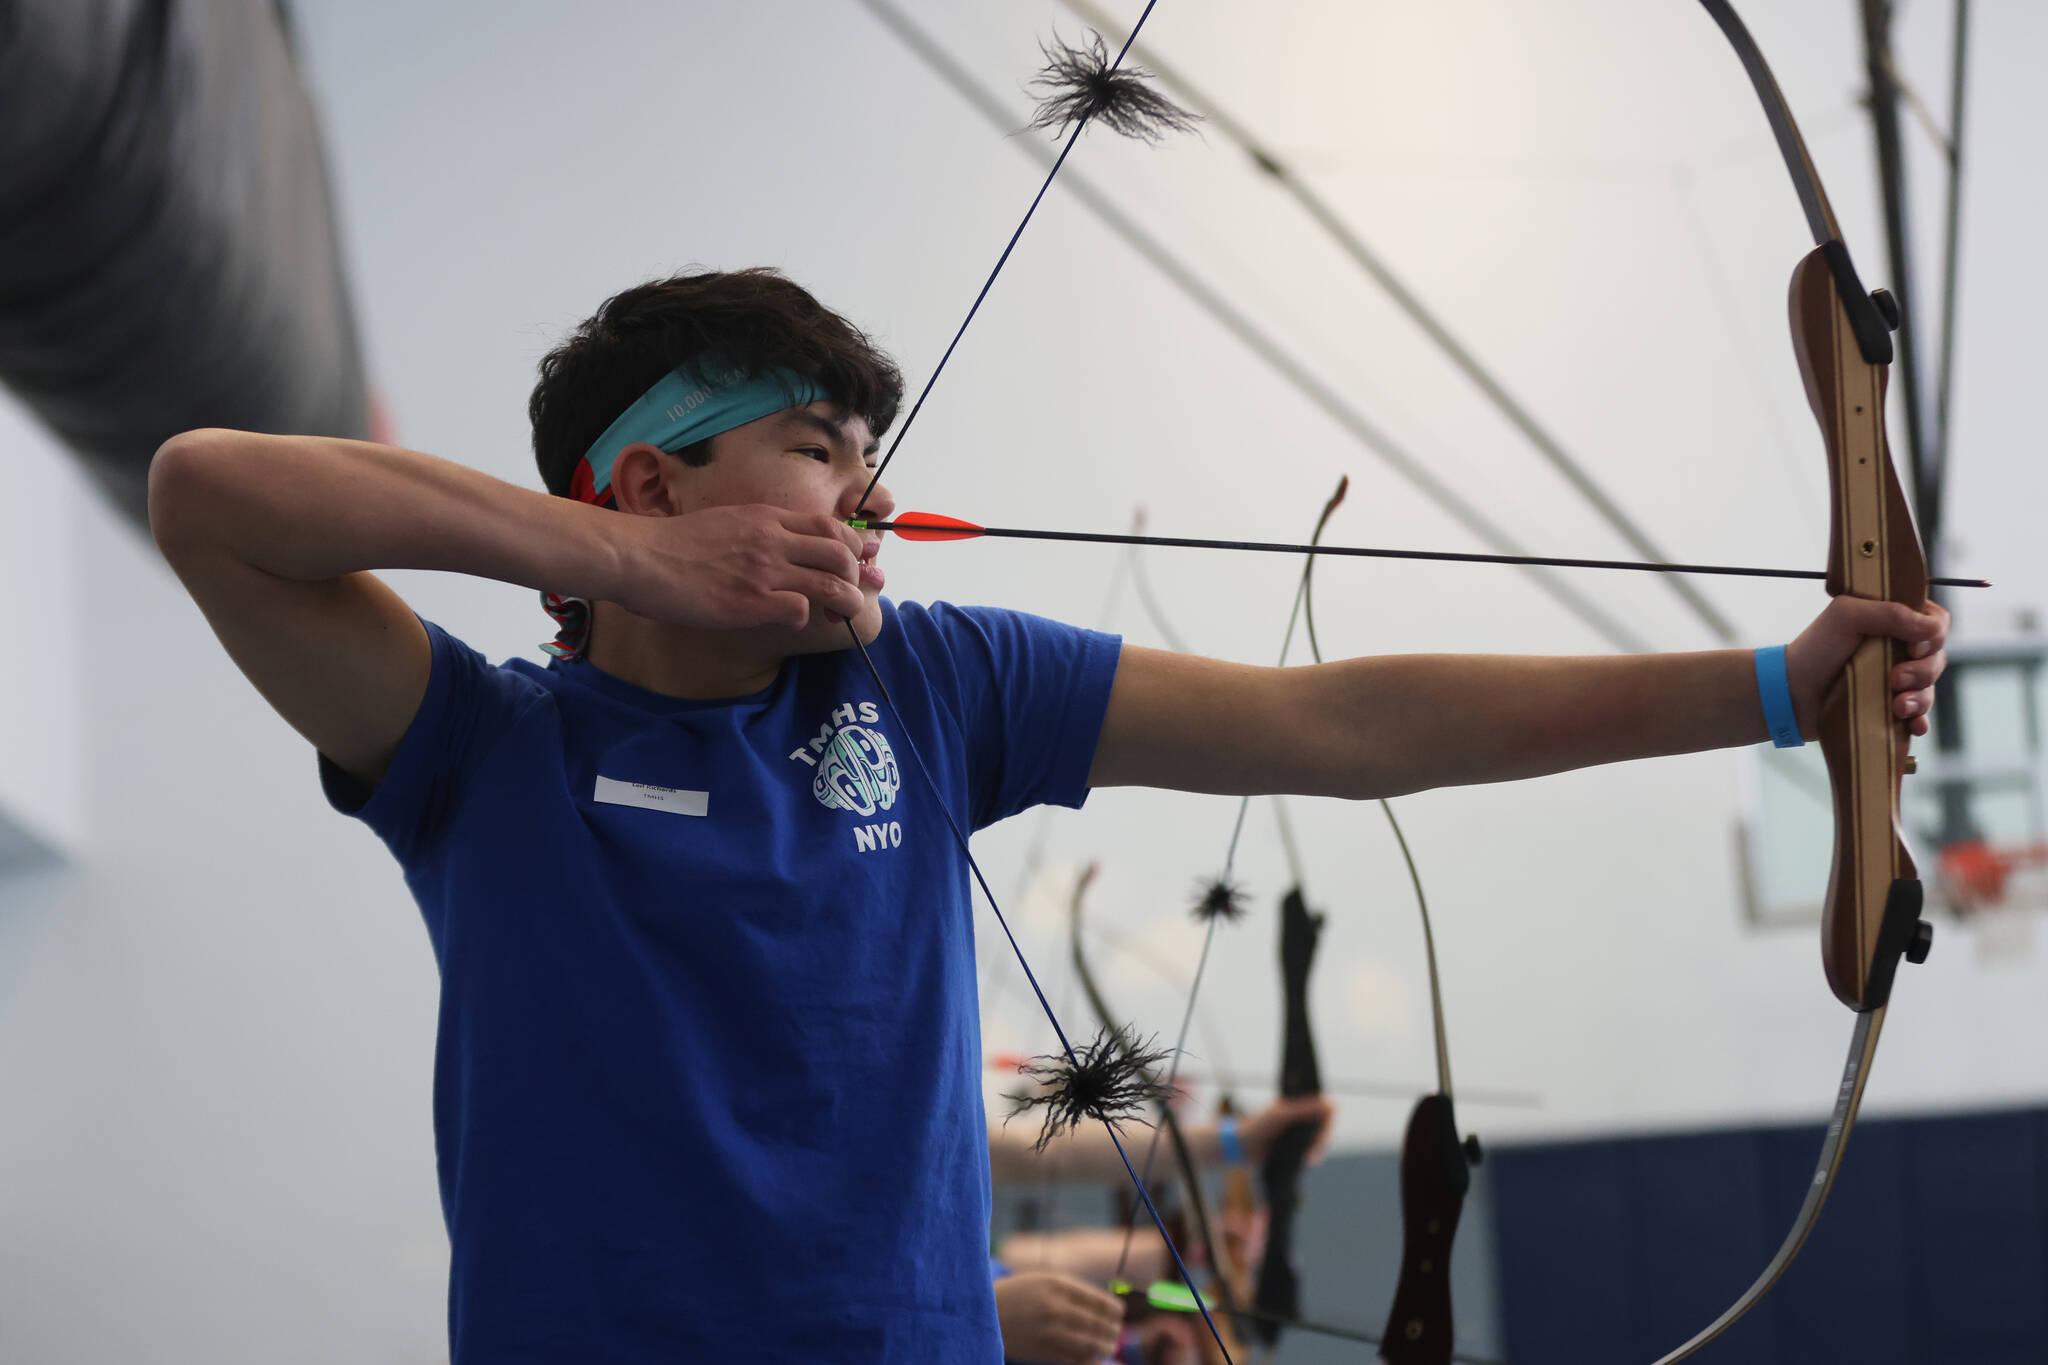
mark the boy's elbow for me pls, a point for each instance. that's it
(177, 454)
(178, 466)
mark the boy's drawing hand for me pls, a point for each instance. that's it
(731, 567)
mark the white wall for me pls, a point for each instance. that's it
(42, 788)
(214, 1031)
(216, 1022)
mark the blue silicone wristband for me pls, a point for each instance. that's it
(1226, 1134)
(1775, 691)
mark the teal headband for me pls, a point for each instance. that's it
(685, 406)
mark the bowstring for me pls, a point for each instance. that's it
(1080, 126)
(959, 837)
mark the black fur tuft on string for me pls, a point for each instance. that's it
(1083, 83)
(1112, 1079)
(1219, 899)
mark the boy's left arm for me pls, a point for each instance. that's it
(1402, 723)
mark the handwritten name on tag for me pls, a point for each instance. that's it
(675, 801)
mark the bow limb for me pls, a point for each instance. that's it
(1435, 1162)
(1841, 335)
(1435, 1177)
(1191, 1181)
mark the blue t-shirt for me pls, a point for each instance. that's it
(707, 1081)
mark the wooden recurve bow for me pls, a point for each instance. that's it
(1434, 1177)
(1841, 335)
(1435, 1161)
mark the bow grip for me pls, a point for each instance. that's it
(1278, 1291)
(1434, 1179)
(1872, 911)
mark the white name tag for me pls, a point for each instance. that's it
(613, 792)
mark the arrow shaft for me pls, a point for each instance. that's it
(1375, 552)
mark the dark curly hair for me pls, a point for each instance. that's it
(754, 320)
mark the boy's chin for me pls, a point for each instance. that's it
(827, 632)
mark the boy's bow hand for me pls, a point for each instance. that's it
(1815, 660)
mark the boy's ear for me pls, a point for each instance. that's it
(640, 481)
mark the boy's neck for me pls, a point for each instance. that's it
(676, 661)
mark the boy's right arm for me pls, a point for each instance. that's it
(274, 536)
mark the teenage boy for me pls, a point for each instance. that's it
(708, 1076)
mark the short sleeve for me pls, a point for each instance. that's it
(469, 705)
(1033, 694)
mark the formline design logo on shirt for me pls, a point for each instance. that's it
(855, 770)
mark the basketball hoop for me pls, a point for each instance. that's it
(1976, 874)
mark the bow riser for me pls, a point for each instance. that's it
(1873, 553)
(1279, 1285)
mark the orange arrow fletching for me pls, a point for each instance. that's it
(932, 526)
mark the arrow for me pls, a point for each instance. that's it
(931, 526)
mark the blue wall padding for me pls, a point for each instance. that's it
(1933, 1248)
(1979, 1204)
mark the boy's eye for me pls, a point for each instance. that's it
(816, 453)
